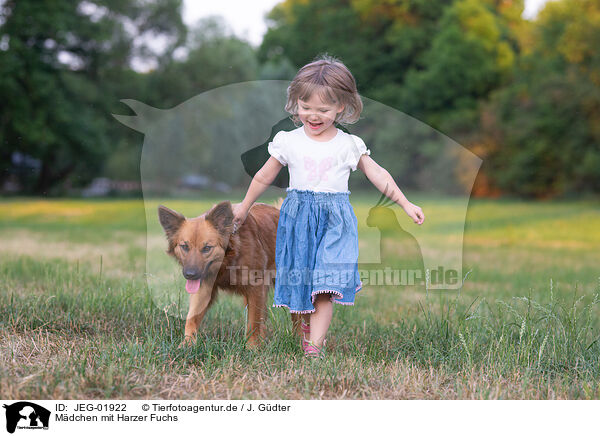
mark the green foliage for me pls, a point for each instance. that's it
(466, 60)
(280, 69)
(214, 58)
(546, 119)
(523, 95)
(53, 65)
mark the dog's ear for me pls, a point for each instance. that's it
(170, 220)
(221, 216)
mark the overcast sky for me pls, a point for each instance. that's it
(246, 18)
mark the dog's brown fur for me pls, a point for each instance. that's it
(251, 247)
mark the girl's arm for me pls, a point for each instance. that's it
(383, 181)
(260, 182)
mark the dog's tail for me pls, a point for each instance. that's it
(278, 203)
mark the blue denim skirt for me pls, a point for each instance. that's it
(316, 250)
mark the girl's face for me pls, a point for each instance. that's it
(318, 116)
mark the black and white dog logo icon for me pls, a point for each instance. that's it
(26, 415)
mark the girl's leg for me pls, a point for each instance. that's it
(320, 319)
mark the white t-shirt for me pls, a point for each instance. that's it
(321, 166)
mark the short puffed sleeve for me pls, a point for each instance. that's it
(358, 148)
(277, 148)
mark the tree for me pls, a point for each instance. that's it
(59, 62)
(214, 57)
(541, 129)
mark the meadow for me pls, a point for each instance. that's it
(77, 320)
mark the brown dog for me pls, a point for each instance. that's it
(214, 257)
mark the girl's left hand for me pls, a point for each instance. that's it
(240, 212)
(415, 212)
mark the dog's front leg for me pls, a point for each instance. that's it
(198, 304)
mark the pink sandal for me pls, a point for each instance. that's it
(305, 343)
(313, 352)
(305, 330)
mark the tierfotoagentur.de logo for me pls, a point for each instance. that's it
(24, 415)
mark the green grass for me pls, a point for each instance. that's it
(77, 319)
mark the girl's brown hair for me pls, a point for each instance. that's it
(332, 81)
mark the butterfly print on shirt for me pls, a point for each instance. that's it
(317, 171)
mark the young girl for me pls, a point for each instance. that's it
(317, 240)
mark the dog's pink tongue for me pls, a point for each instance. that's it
(192, 286)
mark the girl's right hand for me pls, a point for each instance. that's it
(240, 212)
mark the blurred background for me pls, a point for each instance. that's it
(501, 96)
(515, 82)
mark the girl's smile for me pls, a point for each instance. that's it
(318, 117)
(315, 126)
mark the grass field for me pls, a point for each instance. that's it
(77, 321)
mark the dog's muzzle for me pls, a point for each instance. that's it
(192, 274)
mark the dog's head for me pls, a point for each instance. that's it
(199, 244)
